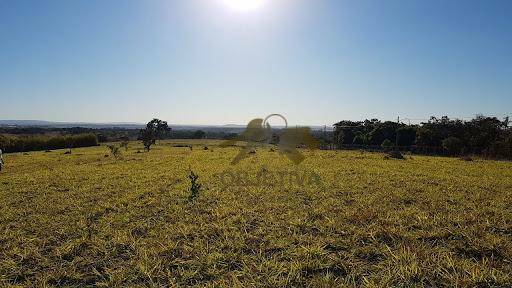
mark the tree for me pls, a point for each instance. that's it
(386, 144)
(406, 135)
(156, 129)
(344, 132)
(383, 131)
(359, 140)
(453, 145)
(199, 134)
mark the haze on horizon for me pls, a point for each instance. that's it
(228, 61)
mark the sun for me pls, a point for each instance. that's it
(244, 5)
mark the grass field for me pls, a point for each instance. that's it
(89, 220)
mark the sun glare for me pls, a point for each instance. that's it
(244, 5)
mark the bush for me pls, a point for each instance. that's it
(115, 150)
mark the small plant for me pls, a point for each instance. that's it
(115, 150)
(124, 145)
(89, 229)
(194, 185)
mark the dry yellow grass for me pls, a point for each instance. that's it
(89, 220)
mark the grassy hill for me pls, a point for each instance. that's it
(84, 219)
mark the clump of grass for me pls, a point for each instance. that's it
(195, 186)
(395, 154)
(466, 158)
(89, 222)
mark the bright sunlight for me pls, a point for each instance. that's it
(244, 5)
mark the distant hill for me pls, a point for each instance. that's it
(127, 125)
(49, 124)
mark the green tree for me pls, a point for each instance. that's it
(156, 129)
(453, 145)
(386, 144)
(199, 134)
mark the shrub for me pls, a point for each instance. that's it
(194, 185)
(115, 150)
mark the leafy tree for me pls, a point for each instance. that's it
(199, 134)
(502, 149)
(156, 129)
(359, 139)
(406, 135)
(453, 145)
(386, 144)
(383, 131)
(344, 132)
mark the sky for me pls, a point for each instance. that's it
(205, 62)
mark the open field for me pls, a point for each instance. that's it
(86, 219)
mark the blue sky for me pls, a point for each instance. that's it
(200, 62)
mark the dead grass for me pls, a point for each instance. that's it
(86, 220)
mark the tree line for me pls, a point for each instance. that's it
(487, 136)
(12, 143)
